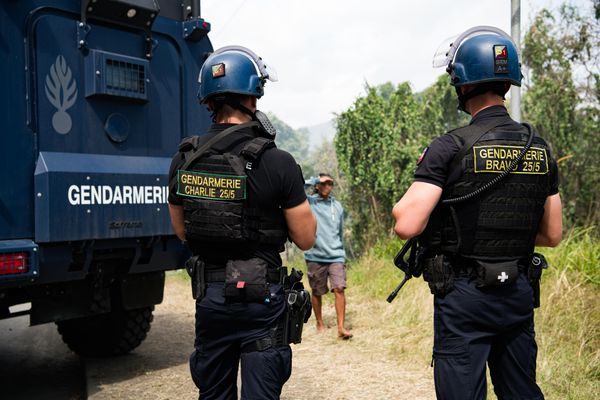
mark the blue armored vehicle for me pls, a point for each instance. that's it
(96, 95)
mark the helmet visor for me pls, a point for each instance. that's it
(447, 49)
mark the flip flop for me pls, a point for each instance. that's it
(345, 336)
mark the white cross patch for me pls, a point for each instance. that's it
(502, 277)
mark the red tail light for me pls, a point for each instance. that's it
(13, 263)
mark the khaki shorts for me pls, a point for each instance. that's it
(318, 273)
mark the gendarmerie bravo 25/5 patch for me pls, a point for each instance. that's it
(497, 158)
(211, 186)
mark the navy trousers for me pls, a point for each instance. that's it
(489, 325)
(222, 329)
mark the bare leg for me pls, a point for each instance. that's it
(316, 305)
(340, 310)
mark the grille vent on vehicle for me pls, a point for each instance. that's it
(125, 76)
(110, 74)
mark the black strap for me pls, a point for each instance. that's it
(253, 149)
(471, 134)
(189, 142)
(258, 345)
(218, 275)
(206, 146)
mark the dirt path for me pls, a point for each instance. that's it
(324, 367)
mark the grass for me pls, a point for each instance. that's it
(567, 323)
(179, 274)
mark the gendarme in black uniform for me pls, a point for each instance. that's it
(489, 319)
(225, 329)
(274, 182)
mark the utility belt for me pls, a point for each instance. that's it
(245, 281)
(248, 281)
(440, 271)
(484, 270)
(214, 273)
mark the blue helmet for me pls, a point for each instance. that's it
(233, 69)
(481, 54)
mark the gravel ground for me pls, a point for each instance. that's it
(324, 367)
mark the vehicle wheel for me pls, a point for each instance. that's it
(110, 334)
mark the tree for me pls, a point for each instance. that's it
(439, 105)
(377, 142)
(562, 101)
(381, 135)
(289, 139)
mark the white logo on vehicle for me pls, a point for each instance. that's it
(61, 91)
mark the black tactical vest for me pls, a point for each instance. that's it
(502, 222)
(214, 189)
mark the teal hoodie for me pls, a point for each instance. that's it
(329, 246)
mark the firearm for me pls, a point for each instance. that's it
(299, 309)
(537, 264)
(411, 266)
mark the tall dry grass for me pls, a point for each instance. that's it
(567, 323)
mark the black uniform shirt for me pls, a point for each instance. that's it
(274, 181)
(435, 163)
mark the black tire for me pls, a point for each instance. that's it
(103, 335)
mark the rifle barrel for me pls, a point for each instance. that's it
(393, 295)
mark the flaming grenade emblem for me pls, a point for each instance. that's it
(61, 91)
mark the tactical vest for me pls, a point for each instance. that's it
(214, 189)
(502, 222)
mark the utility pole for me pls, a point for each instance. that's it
(515, 32)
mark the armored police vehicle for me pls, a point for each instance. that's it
(96, 96)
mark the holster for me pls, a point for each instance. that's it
(534, 274)
(299, 306)
(439, 274)
(288, 328)
(195, 269)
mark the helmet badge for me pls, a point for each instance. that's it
(218, 70)
(500, 59)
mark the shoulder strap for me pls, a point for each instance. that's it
(471, 134)
(255, 147)
(199, 152)
(189, 143)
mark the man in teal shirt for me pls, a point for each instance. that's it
(327, 257)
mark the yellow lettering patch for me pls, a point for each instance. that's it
(211, 186)
(497, 158)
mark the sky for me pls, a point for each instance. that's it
(325, 51)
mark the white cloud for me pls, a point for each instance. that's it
(325, 50)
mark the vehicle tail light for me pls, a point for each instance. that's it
(14, 263)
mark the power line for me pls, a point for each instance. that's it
(222, 28)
